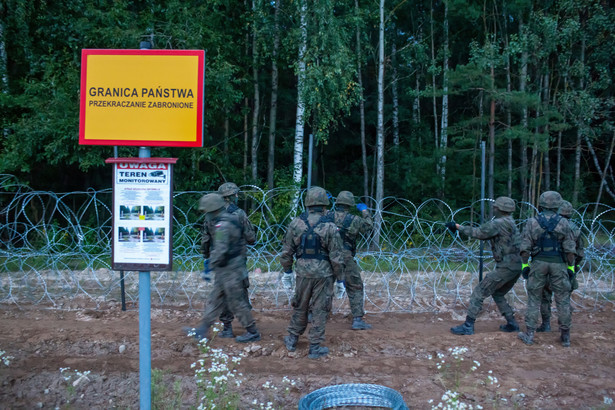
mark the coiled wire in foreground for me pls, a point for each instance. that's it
(355, 394)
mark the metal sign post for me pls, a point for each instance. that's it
(142, 236)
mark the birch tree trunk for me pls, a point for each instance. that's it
(300, 120)
(380, 131)
(273, 109)
(444, 118)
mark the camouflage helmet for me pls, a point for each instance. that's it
(211, 202)
(566, 209)
(550, 200)
(228, 189)
(345, 198)
(505, 204)
(316, 196)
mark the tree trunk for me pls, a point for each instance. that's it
(394, 85)
(362, 109)
(299, 119)
(444, 118)
(524, 116)
(256, 107)
(546, 163)
(508, 110)
(577, 154)
(380, 131)
(433, 85)
(603, 179)
(273, 110)
(491, 172)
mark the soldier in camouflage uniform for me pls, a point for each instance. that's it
(350, 227)
(547, 294)
(228, 262)
(313, 243)
(548, 239)
(229, 191)
(504, 237)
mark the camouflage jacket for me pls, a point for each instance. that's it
(533, 231)
(503, 235)
(229, 243)
(350, 227)
(248, 229)
(207, 241)
(330, 243)
(578, 241)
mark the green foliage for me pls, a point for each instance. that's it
(568, 87)
(162, 397)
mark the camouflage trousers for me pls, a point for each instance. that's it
(315, 295)
(547, 299)
(227, 316)
(555, 276)
(496, 284)
(354, 288)
(229, 292)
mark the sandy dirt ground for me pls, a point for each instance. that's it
(402, 352)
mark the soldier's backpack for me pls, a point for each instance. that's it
(311, 247)
(548, 242)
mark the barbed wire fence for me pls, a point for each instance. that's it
(56, 247)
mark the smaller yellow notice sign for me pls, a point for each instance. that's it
(142, 97)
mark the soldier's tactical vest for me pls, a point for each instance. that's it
(311, 246)
(548, 243)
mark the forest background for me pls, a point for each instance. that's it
(398, 95)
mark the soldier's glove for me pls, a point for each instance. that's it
(361, 207)
(525, 270)
(571, 272)
(206, 275)
(452, 226)
(340, 289)
(288, 280)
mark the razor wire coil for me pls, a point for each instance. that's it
(355, 394)
(57, 246)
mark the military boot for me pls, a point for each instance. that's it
(527, 337)
(291, 342)
(565, 337)
(316, 351)
(359, 324)
(466, 328)
(227, 331)
(511, 325)
(251, 335)
(198, 333)
(545, 326)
